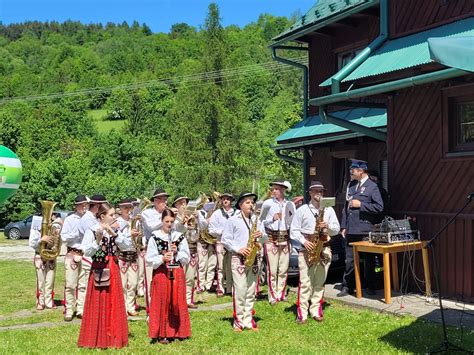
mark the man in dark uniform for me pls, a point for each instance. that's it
(361, 211)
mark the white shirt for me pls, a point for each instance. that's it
(87, 221)
(274, 208)
(125, 232)
(305, 222)
(70, 231)
(89, 244)
(155, 259)
(236, 232)
(218, 221)
(151, 220)
(35, 237)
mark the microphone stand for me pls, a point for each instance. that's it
(446, 345)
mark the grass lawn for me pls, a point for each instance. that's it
(345, 329)
(102, 125)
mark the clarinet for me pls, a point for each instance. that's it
(170, 269)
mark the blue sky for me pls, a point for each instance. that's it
(159, 15)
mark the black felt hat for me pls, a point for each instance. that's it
(178, 198)
(229, 195)
(96, 199)
(242, 196)
(159, 193)
(80, 199)
(317, 185)
(126, 202)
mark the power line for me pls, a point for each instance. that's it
(220, 75)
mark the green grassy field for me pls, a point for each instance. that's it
(102, 125)
(345, 330)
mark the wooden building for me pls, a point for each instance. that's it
(374, 92)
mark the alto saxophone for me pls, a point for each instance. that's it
(253, 244)
(49, 252)
(319, 237)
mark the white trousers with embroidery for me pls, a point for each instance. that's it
(207, 265)
(141, 273)
(311, 287)
(72, 270)
(86, 264)
(243, 296)
(45, 273)
(191, 276)
(278, 260)
(129, 276)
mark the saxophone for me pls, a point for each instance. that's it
(253, 244)
(136, 224)
(47, 252)
(319, 237)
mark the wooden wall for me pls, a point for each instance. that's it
(425, 184)
(408, 16)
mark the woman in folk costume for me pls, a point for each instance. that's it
(168, 253)
(104, 323)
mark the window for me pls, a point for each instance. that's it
(459, 121)
(461, 124)
(344, 58)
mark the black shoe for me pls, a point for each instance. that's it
(344, 292)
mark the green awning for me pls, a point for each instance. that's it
(407, 52)
(318, 132)
(455, 52)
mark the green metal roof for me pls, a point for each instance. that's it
(323, 13)
(313, 128)
(407, 52)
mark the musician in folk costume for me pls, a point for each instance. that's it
(128, 257)
(277, 247)
(45, 269)
(87, 222)
(188, 227)
(206, 256)
(72, 260)
(104, 323)
(141, 254)
(151, 221)
(241, 236)
(167, 254)
(313, 221)
(216, 228)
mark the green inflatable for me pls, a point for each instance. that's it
(10, 173)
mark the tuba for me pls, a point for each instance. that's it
(205, 235)
(46, 251)
(137, 224)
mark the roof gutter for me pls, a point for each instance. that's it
(390, 86)
(362, 56)
(297, 65)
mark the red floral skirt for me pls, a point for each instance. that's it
(169, 316)
(104, 322)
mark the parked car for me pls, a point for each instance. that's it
(21, 229)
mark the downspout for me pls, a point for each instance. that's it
(297, 65)
(362, 56)
(349, 68)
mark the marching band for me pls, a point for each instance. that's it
(168, 254)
